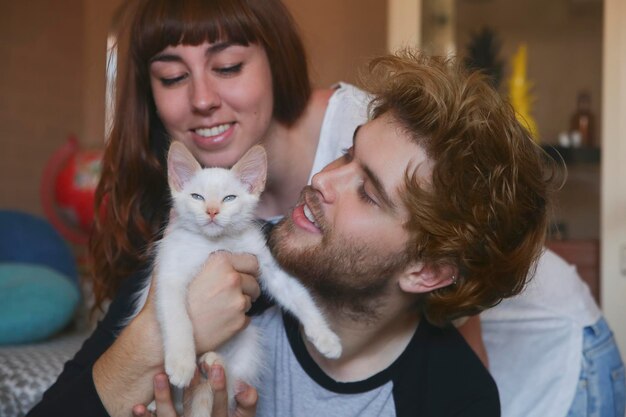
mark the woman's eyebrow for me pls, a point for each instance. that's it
(165, 57)
(217, 47)
(214, 48)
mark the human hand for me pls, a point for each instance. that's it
(219, 297)
(246, 399)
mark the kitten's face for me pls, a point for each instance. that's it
(216, 201)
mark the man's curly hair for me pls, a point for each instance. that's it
(485, 211)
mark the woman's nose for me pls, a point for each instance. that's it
(204, 97)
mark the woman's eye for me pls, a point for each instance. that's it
(197, 197)
(230, 69)
(229, 198)
(168, 82)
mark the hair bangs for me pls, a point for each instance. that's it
(166, 23)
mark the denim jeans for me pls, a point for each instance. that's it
(601, 388)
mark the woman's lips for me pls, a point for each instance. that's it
(215, 137)
(213, 131)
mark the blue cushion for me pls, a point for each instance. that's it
(35, 302)
(29, 239)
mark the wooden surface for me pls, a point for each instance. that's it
(585, 255)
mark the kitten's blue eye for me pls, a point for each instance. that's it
(229, 198)
(197, 197)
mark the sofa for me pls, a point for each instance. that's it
(42, 309)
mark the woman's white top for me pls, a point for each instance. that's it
(535, 340)
(347, 109)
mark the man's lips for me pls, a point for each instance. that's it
(301, 221)
(309, 215)
(306, 213)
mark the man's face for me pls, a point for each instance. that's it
(345, 238)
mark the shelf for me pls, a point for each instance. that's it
(574, 155)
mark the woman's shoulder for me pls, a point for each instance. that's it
(320, 97)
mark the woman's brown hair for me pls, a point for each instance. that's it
(132, 198)
(485, 211)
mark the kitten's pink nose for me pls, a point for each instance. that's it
(212, 212)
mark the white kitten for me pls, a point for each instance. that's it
(214, 210)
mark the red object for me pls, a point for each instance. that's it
(67, 190)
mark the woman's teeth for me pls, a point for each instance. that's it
(213, 131)
(309, 215)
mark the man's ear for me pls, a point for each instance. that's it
(420, 277)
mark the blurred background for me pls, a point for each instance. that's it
(564, 58)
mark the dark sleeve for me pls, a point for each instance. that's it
(74, 393)
(443, 377)
(461, 384)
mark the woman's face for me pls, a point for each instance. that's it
(215, 98)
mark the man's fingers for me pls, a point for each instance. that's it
(163, 396)
(246, 401)
(217, 379)
(140, 410)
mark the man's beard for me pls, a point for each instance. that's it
(346, 276)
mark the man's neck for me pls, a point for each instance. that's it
(368, 347)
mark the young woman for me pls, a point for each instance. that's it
(219, 76)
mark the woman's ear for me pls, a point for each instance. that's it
(420, 277)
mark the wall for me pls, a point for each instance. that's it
(564, 39)
(403, 23)
(340, 36)
(96, 26)
(41, 81)
(613, 215)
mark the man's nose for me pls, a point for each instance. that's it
(330, 181)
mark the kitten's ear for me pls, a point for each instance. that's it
(252, 169)
(181, 166)
(420, 277)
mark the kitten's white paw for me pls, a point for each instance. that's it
(326, 342)
(212, 358)
(180, 369)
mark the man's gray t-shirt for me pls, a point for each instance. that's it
(437, 375)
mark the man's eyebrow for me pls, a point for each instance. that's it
(373, 178)
(213, 49)
(378, 185)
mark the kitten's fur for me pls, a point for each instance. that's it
(214, 210)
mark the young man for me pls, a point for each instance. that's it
(436, 212)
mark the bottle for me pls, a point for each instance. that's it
(582, 120)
